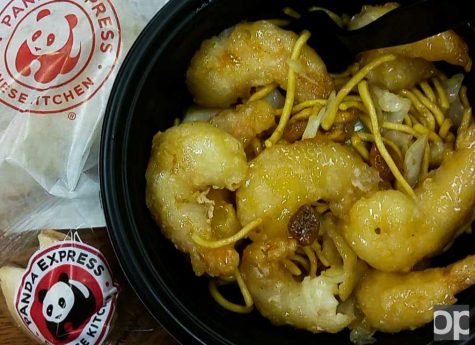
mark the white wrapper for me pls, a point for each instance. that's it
(58, 61)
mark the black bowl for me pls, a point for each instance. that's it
(148, 94)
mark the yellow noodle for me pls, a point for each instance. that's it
(290, 95)
(292, 13)
(360, 147)
(244, 290)
(308, 104)
(303, 115)
(313, 261)
(223, 302)
(349, 263)
(435, 110)
(427, 89)
(367, 100)
(424, 130)
(407, 120)
(352, 98)
(413, 119)
(352, 69)
(266, 90)
(318, 250)
(335, 17)
(445, 128)
(340, 82)
(291, 267)
(441, 93)
(420, 108)
(302, 261)
(370, 137)
(333, 108)
(352, 104)
(399, 127)
(364, 118)
(227, 241)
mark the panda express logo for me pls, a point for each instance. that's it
(67, 295)
(56, 54)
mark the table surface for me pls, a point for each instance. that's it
(134, 325)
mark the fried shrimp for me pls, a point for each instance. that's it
(186, 162)
(413, 64)
(414, 60)
(392, 232)
(447, 46)
(288, 176)
(310, 304)
(252, 55)
(246, 121)
(392, 302)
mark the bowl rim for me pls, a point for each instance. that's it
(185, 328)
(182, 326)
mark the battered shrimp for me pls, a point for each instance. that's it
(393, 302)
(246, 121)
(447, 46)
(309, 304)
(392, 232)
(253, 54)
(413, 63)
(186, 162)
(288, 176)
(401, 73)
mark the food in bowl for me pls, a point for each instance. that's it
(322, 196)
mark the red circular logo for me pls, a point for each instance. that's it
(67, 295)
(57, 54)
(55, 301)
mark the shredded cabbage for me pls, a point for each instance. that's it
(453, 86)
(276, 99)
(402, 140)
(413, 160)
(455, 112)
(198, 114)
(316, 119)
(313, 124)
(394, 108)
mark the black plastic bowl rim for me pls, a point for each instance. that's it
(123, 229)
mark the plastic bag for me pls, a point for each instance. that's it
(60, 59)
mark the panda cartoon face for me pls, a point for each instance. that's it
(50, 50)
(58, 302)
(52, 32)
(66, 302)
